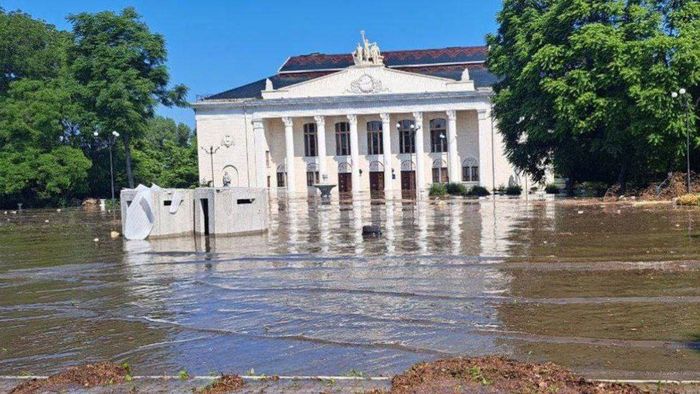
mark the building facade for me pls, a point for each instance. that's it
(368, 122)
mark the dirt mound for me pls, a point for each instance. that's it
(672, 187)
(224, 384)
(89, 375)
(497, 375)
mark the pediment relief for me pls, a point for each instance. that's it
(368, 80)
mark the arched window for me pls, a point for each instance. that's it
(342, 139)
(407, 136)
(440, 171)
(281, 175)
(310, 141)
(438, 135)
(374, 138)
(312, 177)
(470, 170)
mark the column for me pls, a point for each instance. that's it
(354, 154)
(261, 170)
(486, 174)
(454, 169)
(420, 145)
(289, 149)
(321, 132)
(386, 147)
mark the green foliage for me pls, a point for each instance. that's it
(437, 190)
(479, 191)
(456, 189)
(551, 188)
(585, 85)
(120, 69)
(57, 88)
(514, 190)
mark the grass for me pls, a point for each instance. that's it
(688, 199)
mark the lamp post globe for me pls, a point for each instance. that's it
(682, 91)
(674, 94)
(96, 134)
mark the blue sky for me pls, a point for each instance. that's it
(214, 45)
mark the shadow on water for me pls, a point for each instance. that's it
(609, 290)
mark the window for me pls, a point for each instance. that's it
(470, 170)
(438, 135)
(280, 179)
(312, 178)
(374, 138)
(342, 139)
(440, 172)
(310, 141)
(407, 136)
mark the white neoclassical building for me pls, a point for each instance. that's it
(366, 121)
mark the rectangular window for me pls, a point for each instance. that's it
(310, 141)
(475, 174)
(438, 141)
(407, 141)
(342, 139)
(374, 138)
(312, 178)
(267, 158)
(280, 179)
(440, 175)
(470, 174)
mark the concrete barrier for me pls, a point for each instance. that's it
(165, 224)
(230, 211)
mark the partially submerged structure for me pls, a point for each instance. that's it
(156, 212)
(230, 211)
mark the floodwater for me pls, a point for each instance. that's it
(611, 291)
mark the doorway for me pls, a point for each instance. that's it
(376, 183)
(408, 183)
(344, 182)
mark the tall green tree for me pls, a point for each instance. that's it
(585, 85)
(166, 154)
(119, 65)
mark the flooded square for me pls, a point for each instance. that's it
(608, 290)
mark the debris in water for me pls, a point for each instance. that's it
(580, 212)
(114, 234)
(96, 240)
(89, 375)
(46, 221)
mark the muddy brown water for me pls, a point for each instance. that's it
(611, 291)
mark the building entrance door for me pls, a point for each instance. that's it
(408, 183)
(376, 182)
(344, 183)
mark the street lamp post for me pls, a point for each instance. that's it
(110, 142)
(683, 95)
(211, 151)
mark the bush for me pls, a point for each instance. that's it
(478, 191)
(592, 189)
(500, 189)
(456, 189)
(552, 189)
(514, 190)
(688, 199)
(438, 190)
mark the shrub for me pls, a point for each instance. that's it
(456, 189)
(514, 190)
(552, 188)
(438, 190)
(592, 189)
(479, 191)
(688, 199)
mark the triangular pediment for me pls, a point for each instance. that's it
(367, 80)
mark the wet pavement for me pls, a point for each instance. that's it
(609, 290)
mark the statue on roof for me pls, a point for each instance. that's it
(367, 53)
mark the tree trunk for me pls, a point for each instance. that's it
(621, 179)
(570, 186)
(127, 159)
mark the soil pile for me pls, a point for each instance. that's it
(497, 375)
(89, 375)
(672, 187)
(224, 384)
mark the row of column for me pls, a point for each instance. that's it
(454, 166)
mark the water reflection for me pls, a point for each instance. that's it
(534, 280)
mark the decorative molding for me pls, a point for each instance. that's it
(258, 124)
(288, 121)
(451, 114)
(418, 116)
(268, 85)
(320, 121)
(352, 118)
(385, 117)
(484, 114)
(366, 84)
(376, 166)
(408, 165)
(227, 141)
